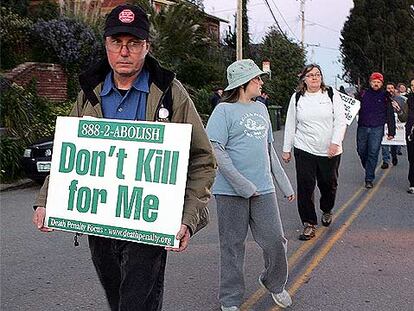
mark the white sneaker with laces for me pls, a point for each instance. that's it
(232, 308)
(410, 190)
(282, 299)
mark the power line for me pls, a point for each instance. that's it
(280, 13)
(274, 18)
(233, 9)
(322, 47)
(323, 26)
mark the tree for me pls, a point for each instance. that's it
(287, 59)
(231, 36)
(245, 30)
(378, 37)
(45, 10)
(181, 43)
(14, 38)
(18, 6)
(198, 3)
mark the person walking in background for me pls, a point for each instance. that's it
(408, 116)
(315, 127)
(240, 131)
(263, 98)
(129, 84)
(216, 97)
(376, 110)
(402, 89)
(398, 103)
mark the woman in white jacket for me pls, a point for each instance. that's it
(315, 127)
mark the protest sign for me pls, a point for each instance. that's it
(119, 179)
(351, 107)
(399, 138)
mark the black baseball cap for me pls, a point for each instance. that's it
(127, 18)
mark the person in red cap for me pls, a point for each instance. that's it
(376, 111)
(129, 84)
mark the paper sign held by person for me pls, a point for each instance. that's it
(119, 179)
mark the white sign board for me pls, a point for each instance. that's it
(399, 138)
(119, 179)
(351, 107)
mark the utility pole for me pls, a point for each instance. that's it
(239, 31)
(302, 13)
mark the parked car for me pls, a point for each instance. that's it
(37, 158)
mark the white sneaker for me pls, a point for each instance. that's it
(282, 299)
(232, 308)
(410, 190)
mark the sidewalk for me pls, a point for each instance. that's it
(21, 183)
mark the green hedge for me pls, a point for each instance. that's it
(10, 154)
(28, 118)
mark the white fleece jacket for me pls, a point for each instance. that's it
(315, 123)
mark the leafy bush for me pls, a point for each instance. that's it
(46, 10)
(14, 38)
(69, 42)
(201, 98)
(27, 117)
(10, 153)
(18, 6)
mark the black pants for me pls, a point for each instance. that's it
(410, 152)
(132, 274)
(312, 170)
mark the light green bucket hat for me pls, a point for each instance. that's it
(241, 72)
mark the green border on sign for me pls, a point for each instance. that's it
(148, 237)
(140, 132)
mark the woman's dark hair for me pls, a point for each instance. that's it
(232, 96)
(302, 87)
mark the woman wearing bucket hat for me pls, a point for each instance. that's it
(240, 131)
(315, 127)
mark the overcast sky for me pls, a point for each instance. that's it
(324, 21)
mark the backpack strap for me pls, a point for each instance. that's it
(297, 96)
(328, 89)
(330, 93)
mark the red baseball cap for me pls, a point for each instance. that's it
(377, 76)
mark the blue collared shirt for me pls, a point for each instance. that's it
(132, 106)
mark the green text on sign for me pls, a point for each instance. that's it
(112, 231)
(141, 132)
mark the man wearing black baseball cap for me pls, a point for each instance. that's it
(130, 84)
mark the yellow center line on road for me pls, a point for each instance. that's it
(255, 297)
(331, 242)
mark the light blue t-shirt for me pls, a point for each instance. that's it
(245, 132)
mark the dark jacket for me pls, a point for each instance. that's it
(409, 114)
(202, 164)
(214, 100)
(376, 110)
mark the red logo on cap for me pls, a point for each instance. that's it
(126, 16)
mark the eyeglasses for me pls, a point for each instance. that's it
(259, 78)
(133, 47)
(313, 75)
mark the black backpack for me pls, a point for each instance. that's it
(330, 94)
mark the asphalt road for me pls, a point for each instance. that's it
(363, 261)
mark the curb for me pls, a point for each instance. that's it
(22, 183)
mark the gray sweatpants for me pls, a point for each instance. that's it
(235, 214)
